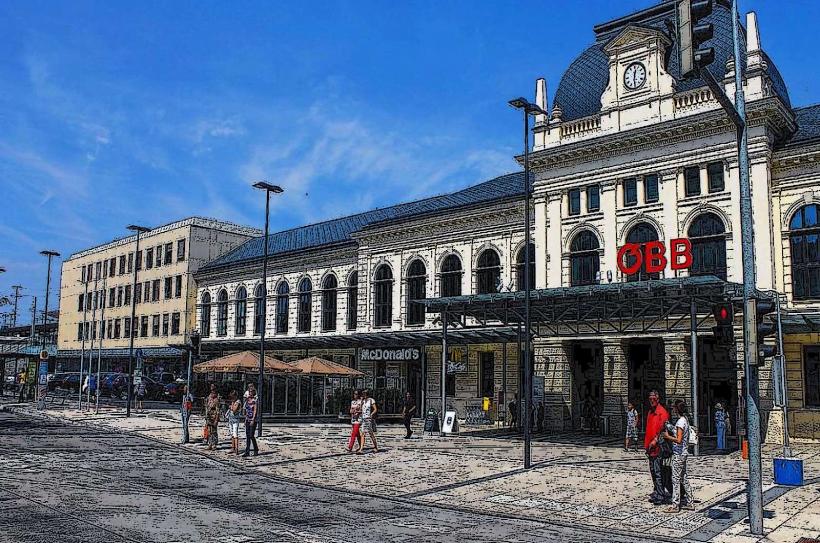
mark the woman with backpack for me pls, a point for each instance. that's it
(679, 435)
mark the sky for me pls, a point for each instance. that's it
(113, 113)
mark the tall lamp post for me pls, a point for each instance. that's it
(193, 345)
(268, 188)
(527, 108)
(50, 255)
(138, 230)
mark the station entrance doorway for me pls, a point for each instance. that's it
(646, 373)
(587, 384)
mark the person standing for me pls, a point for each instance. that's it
(140, 395)
(234, 417)
(656, 418)
(678, 435)
(631, 427)
(407, 412)
(185, 408)
(512, 407)
(355, 423)
(251, 419)
(369, 411)
(212, 418)
(721, 426)
(541, 416)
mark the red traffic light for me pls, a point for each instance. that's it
(724, 313)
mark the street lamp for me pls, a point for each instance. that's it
(193, 345)
(268, 188)
(138, 230)
(50, 255)
(527, 109)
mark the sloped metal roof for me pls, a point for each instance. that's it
(340, 230)
(808, 124)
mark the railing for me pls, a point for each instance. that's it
(693, 98)
(580, 127)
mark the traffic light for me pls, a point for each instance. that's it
(724, 315)
(692, 33)
(765, 328)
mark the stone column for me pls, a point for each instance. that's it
(668, 181)
(553, 239)
(616, 385)
(610, 231)
(551, 361)
(759, 176)
(678, 370)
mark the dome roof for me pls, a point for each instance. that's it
(579, 92)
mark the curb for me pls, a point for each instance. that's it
(19, 410)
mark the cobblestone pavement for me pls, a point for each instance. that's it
(577, 481)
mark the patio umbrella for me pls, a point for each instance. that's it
(314, 365)
(244, 362)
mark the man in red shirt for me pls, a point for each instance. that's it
(656, 418)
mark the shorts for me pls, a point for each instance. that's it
(368, 426)
(631, 432)
(234, 428)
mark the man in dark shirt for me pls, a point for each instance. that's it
(407, 413)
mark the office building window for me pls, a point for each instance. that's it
(169, 253)
(139, 260)
(168, 288)
(155, 290)
(175, 324)
(651, 193)
(112, 267)
(117, 328)
(144, 326)
(102, 329)
(383, 296)
(155, 325)
(146, 291)
(804, 240)
(205, 316)
(488, 272)
(303, 310)
(416, 290)
(112, 297)
(593, 198)
(165, 323)
(584, 259)
(519, 267)
(451, 276)
(122, 264)
(222, 313)
(258, 309)
(149, 258)
(282, 309)
(241, 312)
(708, 236)
(691, 181)
(575, 202)
(138, 293)
(178, 287)
(352, 301)
(329, 286)
(126, 327)
(81, 302)
(180, 250)
(630, 191)
(714, 172)
(127, 300)
(119, 296)
(158, 256)
(79, 331)
(82, 274)
(130, 262)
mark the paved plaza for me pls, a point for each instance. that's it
(577, 481)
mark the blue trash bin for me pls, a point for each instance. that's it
(788, 471)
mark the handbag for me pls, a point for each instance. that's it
(693, 436)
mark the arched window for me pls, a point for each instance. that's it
(641, 233)
(416, 290)
(708, 237)
(352, 300)
(241, 312)
(451, 276)
(222, 313)
(488, 272)
(329, 302)
(205, 316)
(804, 234)
(258, 309)
(519, 267)
(303, 310)
(383, 296)
(584, 259)
(282, 299)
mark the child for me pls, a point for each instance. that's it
(234, 416)
(631, 427)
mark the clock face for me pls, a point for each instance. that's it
(635, 76)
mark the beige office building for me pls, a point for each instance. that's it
(98, 287)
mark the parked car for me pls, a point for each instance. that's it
(164, 378)
(114, 385)
(64, 381)
(154, 390)
(173, 391)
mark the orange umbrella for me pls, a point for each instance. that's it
(319, 366)
(244, 362)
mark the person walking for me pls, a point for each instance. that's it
(407, 412)
(656, 418)
(251, 418)
(631, 427)
(234, 416)
(512, 407)
(369, 411)
(355, 423)
(678, 435)
(140, 395)
(185, 408)
(212, 418)
(541, 415)
(721, 426)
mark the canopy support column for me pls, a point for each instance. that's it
(694, 349)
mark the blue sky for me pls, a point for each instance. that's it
(114, 113)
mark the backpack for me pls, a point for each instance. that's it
(693, 436)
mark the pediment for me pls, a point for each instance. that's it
(635, 36)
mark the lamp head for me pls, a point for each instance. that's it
(264, 185)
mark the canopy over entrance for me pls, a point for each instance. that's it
(319, 366)
(644, 307)
(244, 362)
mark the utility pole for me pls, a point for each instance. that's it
(16, 298)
